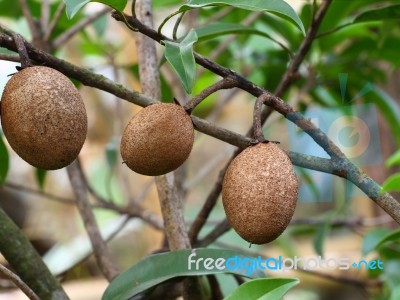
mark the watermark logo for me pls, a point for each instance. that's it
(249, 265)
(352, 127)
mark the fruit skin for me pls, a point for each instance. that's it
(158, 139)
(259, 193)
(43, 117)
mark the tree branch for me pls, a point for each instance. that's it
(45, 13)
(100, 250)
(54, 21)
(33, 26)
(290, 73)
(66, 36)
(339, 167)
(24, 259)
(19, 283)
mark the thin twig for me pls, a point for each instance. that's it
(29, 190)
(207, 207)
(216, 292)
(54, 21)
(100, 249)
(304, 48)
(207, 168)
(45, 13)
(333, 30)
(176, 26)
(66, 36)
(9, 57)
(225, 83)
(34, 29)
(218, 230)
(19, 283)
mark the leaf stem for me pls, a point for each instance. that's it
(257, 125)
(23, 53)
(19, 283)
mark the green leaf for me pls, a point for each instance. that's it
(263, 289)
(100, 25)
(389, 108)
(385, 13)
(112, 148)
(40, 175)
(158, 268)
(73, 6)
(395, 294)
(392, 183)
(211, 31)
(320, 237)
(393, 160)
(4, 161)
(372, 239)
(180, 56)
(276, 7)
(392, 236)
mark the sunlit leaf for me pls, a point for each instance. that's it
(320, 237)
(180, 56)
(385, 13)
(277, 7)
(73, 6)
(4, 161)
(392, 183)
(264, 289)
(372, 239)
(393, 160)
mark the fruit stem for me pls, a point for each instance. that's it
(23, 53)
(257, 125)
(225, 83)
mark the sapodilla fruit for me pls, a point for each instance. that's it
(259, 193)
(43, 117)
(158, 139)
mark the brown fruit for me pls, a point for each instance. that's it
(259, 193)
(43, 117)
(158, 139)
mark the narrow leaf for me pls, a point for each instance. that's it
(211, 31)
(158, 268)
(320, 237)
(112, 152)
(277, 7)
(73, 6)
(4, 161)
(392, 236)
(389, 108)
(392, 183)
(180, 56)
(263, 289)
(40, 175)
(372, 239)
(385, 13)
(393, 160)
